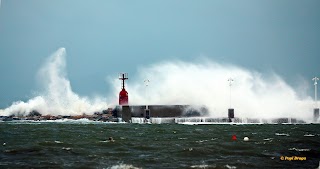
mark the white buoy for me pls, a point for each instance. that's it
(4, 144)
(246, 139)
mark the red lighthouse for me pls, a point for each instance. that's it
(123, 95)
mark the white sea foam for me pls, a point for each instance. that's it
(203, 166)
(282, 134)
(309, 135)
(58, 142)
(70, 121)
(230, 166)
(298, 149)
(268, 139)
(66, 148)
(122, 166)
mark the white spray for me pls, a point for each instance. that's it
(206, 83)
(58, 98)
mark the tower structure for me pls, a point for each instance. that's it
(123, 95)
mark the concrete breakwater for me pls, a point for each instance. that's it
(156, 114)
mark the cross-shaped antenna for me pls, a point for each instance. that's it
(123, 77)
(230, 80)
(146, 82)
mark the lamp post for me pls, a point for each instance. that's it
(147, 114)
(316, 109)
(230, 80)
(230, 110)
(146, 82)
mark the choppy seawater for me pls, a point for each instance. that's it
(86, 145)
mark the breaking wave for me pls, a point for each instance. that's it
(206, 83)
(58, 98)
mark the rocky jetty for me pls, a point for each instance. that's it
(105, 116)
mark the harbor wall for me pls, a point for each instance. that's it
(129, 111)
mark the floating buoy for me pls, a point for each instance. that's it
(246, 139)
(4, 144)
(234, 137)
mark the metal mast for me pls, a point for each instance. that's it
(146, 82)
(315, 79)
(230, 80)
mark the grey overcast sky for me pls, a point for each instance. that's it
(105, 37)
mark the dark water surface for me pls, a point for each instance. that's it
(86, 145)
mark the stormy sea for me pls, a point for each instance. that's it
(88, 144)
(83, 143)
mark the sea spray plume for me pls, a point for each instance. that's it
(58, 98)
(21, 108)
(205, 83)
